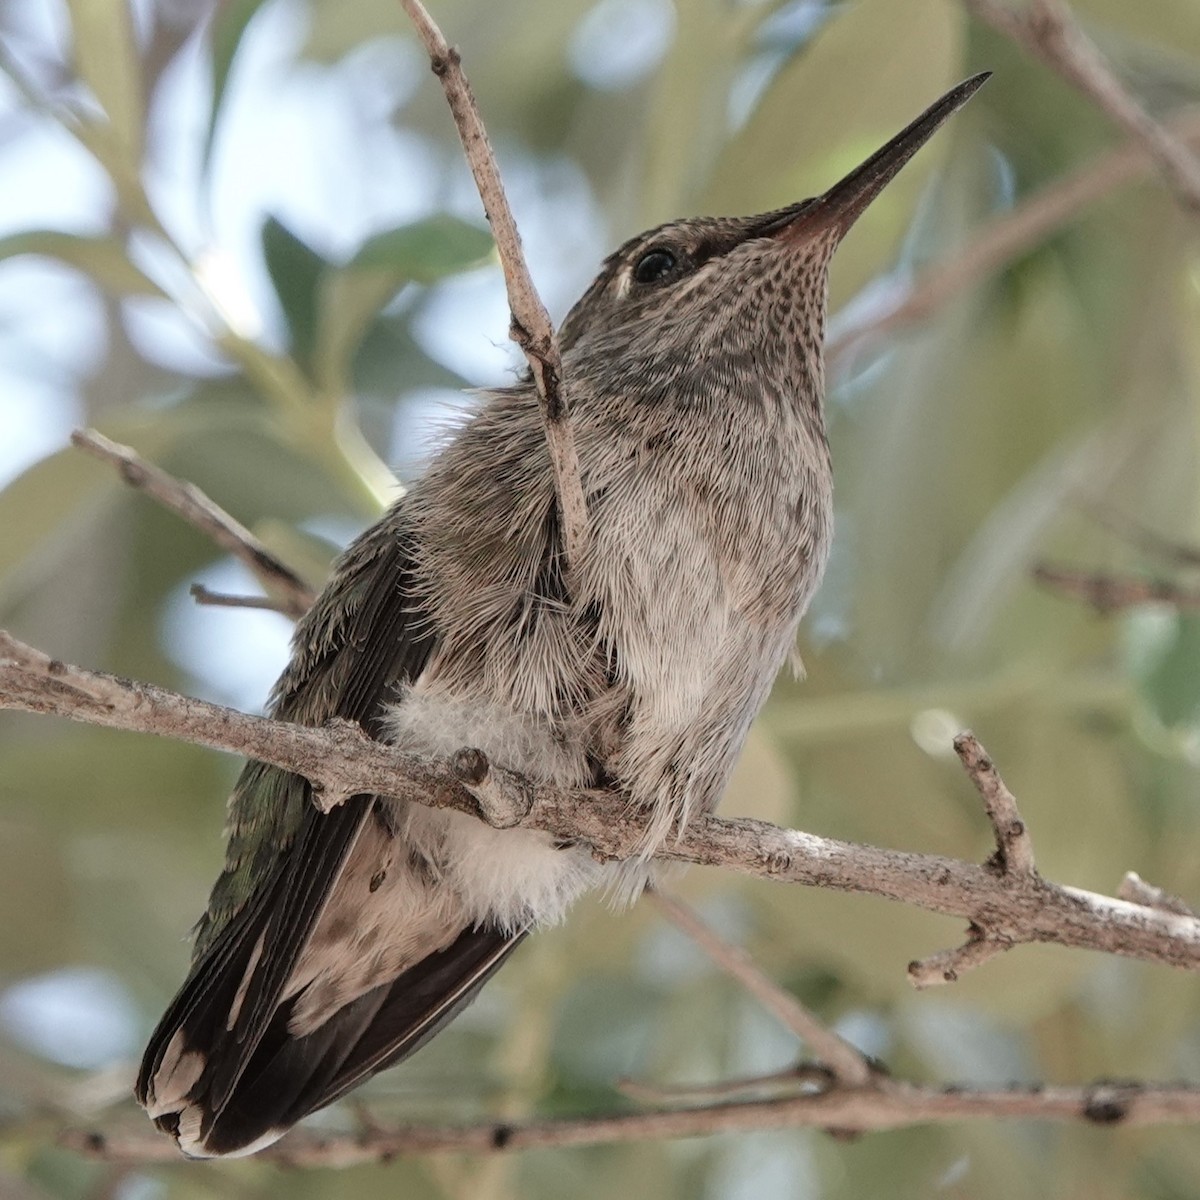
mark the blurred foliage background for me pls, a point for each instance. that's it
(240, 237)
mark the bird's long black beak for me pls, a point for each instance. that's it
(844, 203)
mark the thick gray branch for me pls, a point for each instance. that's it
(341, 761)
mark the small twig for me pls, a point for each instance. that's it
(1143, 538)
(504, 800)
(1109, 593)
(800, 1077)
(848, 1064)
(190, 503)
(1014, 846)
(1004, 238)
(531, 328)
(946, 966)
(1137, 891)
(203, 595)
(1013, 860)
(1048, 30)
(892, 1105)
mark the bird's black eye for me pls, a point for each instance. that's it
(653, 266)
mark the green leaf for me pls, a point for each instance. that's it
(57, 500)
(296, 271)
(349, 301)
(335, 30)
(44, 507)
(103, 258)
(1170, 685)
(426, 250)
(106, 57)
(420, 252)
(228, 27)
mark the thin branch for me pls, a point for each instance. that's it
(1145, 539)
(794, 1079)
(1109, 593)
(1137, 891)
(531, 328)
(847, 1063)
(206, 596)
(948, 966)
(341, 761)
(1006, 237)
(189, 502)
(889, 1105)
(1014, 846)
(1013, 860)
(1048, 30)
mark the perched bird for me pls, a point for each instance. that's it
(337, 943)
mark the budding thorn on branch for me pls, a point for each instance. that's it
(504, 801)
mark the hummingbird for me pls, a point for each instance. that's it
(337, 943)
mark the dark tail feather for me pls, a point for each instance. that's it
(211, 1029)
(286, 1077)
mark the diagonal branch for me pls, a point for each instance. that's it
(847, 1063)
(531, 328)
(1108, 593)
(1152, 543)
(207, 597)
(190, 503)
(342, 761)
(1049, 31)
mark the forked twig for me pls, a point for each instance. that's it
(189, 502)
(1013, 861)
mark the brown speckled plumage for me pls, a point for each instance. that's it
(336, 944)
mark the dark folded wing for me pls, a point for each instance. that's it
(289, 1076)
(363, 638)
(222, 1058)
